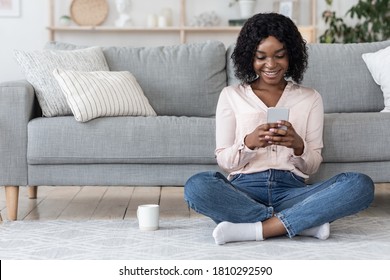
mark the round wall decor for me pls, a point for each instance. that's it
(89, 12)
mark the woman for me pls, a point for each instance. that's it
(265, 193)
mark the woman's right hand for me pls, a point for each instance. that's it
(257, 138)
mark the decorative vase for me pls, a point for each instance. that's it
(123, 7)
(65, 20)
(247, 8)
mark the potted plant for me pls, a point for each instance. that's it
(373, 23)
(247, 7)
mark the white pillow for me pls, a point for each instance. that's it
(378, 64)
(38, 68)
(102, 93)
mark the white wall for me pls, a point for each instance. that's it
(24, 32)
(28, 31)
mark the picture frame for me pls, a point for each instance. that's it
(286, 8)
(9, 8)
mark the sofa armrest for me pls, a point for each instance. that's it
(17, 106)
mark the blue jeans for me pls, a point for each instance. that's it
(249, 198)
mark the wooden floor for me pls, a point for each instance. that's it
(121, 202)
(92, 202)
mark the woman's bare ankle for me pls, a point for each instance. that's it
(273, 227)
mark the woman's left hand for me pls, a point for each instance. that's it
(283, 134)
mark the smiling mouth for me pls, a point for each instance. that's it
(271, 74)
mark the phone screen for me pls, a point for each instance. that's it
(277, 114)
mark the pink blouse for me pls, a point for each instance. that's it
(240, 111)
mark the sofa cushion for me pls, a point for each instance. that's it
(102, 93)
(231, 77)
(356, 137)
(180, 80)
(38, 68)
(149, 140)
(339, 74)
(379, 65)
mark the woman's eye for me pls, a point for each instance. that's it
(280, 56)
(261, 57)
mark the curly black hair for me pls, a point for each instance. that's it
(259, 27)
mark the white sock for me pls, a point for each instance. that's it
(230, 232)
(321, 232)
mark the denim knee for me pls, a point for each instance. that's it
(363, 187)
(198, 189)
(197, 184)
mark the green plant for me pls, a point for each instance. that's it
(373, 23)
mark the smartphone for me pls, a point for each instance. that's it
(277, 114)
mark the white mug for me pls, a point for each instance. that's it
(148, 216)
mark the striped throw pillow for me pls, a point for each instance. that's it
(102, 94)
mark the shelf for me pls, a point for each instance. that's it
(111, 28)
(182, 31)
(144, 29)
(308, 32)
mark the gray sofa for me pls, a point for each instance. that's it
(182, 84)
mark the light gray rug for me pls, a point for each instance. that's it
(351, 238)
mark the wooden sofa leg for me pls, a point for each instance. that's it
(12, 198)
(32, 192)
